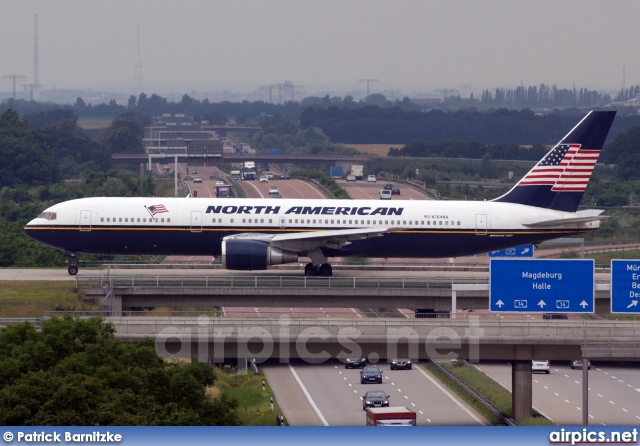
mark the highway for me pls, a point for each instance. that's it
(363, 190)
(335, 394)
(614, 392)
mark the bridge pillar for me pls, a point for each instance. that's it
(116, 309)
(521, 388)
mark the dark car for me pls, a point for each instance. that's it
(284, 176)
(375, 398)
(371, 374)
(395, 190)
(401, 364)
(554, 316)
(388, 186)
(577, 364)
(354, 363)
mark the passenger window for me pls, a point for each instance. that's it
(101, 218)
(120, 220)
(232, 220)
(168, 220)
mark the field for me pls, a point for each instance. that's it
(374, 149)
(34, 298)
(94, 123)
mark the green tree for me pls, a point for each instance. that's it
(24, 158)
(125, 135)
(72, 372)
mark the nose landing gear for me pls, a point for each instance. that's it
(72, 260)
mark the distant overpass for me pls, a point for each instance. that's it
(240, 157)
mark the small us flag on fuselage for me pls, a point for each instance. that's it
(156, 209)
(566, 169)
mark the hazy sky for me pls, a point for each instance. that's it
(408, 45)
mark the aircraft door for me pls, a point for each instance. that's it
(196, 221)
(283, 222)
(85, 220)
(481, 224)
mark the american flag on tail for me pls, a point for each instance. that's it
(566, 168)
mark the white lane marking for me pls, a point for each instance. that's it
(306, 393)
(446, 392)
(254, 186)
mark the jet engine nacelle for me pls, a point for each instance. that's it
(242, 254)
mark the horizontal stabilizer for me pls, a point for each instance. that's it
(582, 217)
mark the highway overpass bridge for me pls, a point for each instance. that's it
(433, 294)
(317, 340)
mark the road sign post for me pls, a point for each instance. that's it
(541, 286)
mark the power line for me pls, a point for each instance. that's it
(368, 82)
(14, 78)
(33, 89)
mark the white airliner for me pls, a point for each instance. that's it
(252, 234)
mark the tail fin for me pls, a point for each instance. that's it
(559, 180)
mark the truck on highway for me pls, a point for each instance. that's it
(390, 416)
(235, 175)
(249, 170)
(357, 170)
(335, 171)
(223, 191)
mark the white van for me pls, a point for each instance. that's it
(385, 194)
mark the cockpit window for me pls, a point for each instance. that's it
(48, 215)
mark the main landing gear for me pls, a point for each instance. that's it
(318, 265)
(323, 270)
(71, 258)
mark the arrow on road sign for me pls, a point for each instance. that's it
(499, 303)
(633, 303)
(542, 303)
(583, 304)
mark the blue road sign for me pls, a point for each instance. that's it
(541, 286)
(518, 251)
(625, 286)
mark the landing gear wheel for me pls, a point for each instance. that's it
(325, 270)
(72, 259)
(309, 270)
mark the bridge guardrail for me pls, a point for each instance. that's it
(273, 282)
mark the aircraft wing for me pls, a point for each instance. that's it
(582, 217)
(306, 241)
